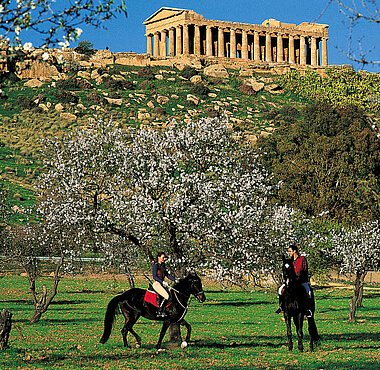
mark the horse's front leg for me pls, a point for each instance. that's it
(188, 328)
(165, 326)
(289, 330)
(298, 321)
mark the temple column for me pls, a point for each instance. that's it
(233, 43)
(302, 50)
(209, 40)
(291, 49)
(244, 45)
(178, 48)
(280, 49)
(313, 51)
(156, 50)
(256, 41)
(324, 51)
(221, 53)
(171, 42)
(197, 40)
(149, 48)
(186, 48)
(163, 50)
(268, 47)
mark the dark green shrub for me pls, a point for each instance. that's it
(188, 72)
(272, 114)
(160, 111)
(96, 98)
(111, 84)
(84, 84)
(288, 110)
(26, 103)
(199, 90)
(212, 112)
(146, 85)
(146, 73)
(66, 96)
(85, 47)
(71, 83)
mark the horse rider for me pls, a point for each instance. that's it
(302, 276)
(159, 273)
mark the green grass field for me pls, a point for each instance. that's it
(231, 330)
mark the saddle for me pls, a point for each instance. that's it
(152, 297)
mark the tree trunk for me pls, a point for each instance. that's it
(360, 298)
(131, 280)
(5, 328)
(43, 303)
(358, 287)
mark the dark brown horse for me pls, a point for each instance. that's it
(133, 305)
(295, 304)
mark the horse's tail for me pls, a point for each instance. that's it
(313, 331)
(109, 318)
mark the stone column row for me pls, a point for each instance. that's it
(179, 44)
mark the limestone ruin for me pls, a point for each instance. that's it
(181, 32)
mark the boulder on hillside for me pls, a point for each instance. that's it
(68, 116)
(33, 83)
(216, 71)
(162, 99)
(196, 80)
(256, 86)
(36, 68)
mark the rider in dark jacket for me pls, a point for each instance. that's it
(159, 273)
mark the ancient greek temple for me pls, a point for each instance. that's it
(177, 32)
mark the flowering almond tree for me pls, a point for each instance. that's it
(57, 22)
(359, 252)
(192, 190)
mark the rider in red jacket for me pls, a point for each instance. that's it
(302, 275)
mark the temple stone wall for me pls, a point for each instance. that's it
(180, 32)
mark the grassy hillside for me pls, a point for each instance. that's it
(134, 96)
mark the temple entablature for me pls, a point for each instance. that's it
(175, 32)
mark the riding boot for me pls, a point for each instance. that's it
(309, 312)
(161, 308)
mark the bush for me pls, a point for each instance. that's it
(199, 90)
(66, 96)
(111, 84)
(26, 103)
(288, 110)
(146, 73)
(71, 83)
(160, 111)
(85, 47)
(212, 112)
(188, 72)
(84, 84)
(146, 85)
(95, 98)
(272, 114)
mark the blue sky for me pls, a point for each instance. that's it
(128, 34)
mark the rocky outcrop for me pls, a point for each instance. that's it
(216, 70)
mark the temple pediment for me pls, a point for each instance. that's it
(162, 14)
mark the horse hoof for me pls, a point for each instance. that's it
(183, 344)
(161, 350)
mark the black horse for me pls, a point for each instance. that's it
(295, 303)
(133, 305)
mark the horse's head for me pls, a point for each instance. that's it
(195, 286)
(288, 270)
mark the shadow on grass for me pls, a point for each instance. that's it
(229, 303)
